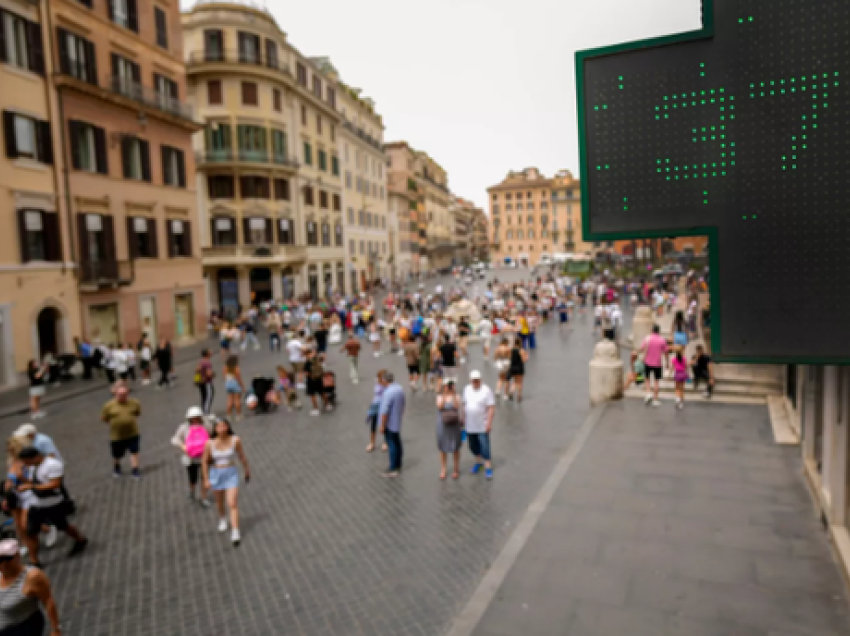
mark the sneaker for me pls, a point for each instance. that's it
(222, 525)
(355, 381)
(488, 473)
(79, 546)
(377, 354)
(116, 472)
(52, 535)
(136, 474)
(205, 503)
(314, 412)
(329, 408)
(390, 473)
(680, 405)
(647, 399)
(476, 469)
(656, 403)
(300, 385)
(235, 537)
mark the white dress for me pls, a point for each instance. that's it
(335, 334)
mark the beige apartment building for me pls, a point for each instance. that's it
(533, 216)
(120, 88)
(269, 171)
(407, 210)
(480, 236)
(39, 305)
(463, 215)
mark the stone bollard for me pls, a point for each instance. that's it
(642, 325)
(606, 374)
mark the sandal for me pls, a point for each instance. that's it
(370, 448)
(442, 476)
(455, 475)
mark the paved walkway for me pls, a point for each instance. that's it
(675, 524)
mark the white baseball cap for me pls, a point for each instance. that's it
(193, 412)
(25, 430)
(475, 375)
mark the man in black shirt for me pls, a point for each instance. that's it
(448, 354)
(703, 369)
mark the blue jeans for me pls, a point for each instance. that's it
(394, 448)
(525, 340)
(532, 340)
(479, 445)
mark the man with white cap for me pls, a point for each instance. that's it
(24, 591)
(480, 407)
(41, 441)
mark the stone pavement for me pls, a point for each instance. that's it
(329, 546)
(673, 523)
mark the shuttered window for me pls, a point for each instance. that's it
(27, 138)
(40, 238)
(20, 42)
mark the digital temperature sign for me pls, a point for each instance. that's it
(739, 132)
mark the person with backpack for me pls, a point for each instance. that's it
(191, 438)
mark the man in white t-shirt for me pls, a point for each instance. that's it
(295, 348)
(44, 479)
(485, 331)
(479, 405)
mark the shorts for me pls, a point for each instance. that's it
(144, 365)
(297, 367)
(53, 516)
(232, 387)
(485, 342)
(37, 391)
(225, 344)
(653, 371)
(314, 387)
(609, 334)
(226, 478)
(413, 369)
(564, 318)
(121, 447)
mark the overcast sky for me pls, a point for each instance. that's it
(483, 86)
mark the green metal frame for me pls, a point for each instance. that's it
(714, 247)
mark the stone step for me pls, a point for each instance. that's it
(694, 396)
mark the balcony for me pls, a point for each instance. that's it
(359, 132)
(431, 180)
(249, 254)
(258, 61)
(221, 158)
(100, 274)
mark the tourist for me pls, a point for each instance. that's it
(36, 374)
(680, 375)
(502, 362)
(463, 330)
(320, 333)
(204, 375)
(223, 476)
(24, 593)
(448, 358)
(449, 427)
(165, 362)
(286, 393)
(427, 362)
(655, 352)
(295, 349)
(121, 415)
(375, 338)
(234, 387)
(17, 503)
(516, 370)
(224, 339)
(372, 413)
(249, 333)
(50, 507)
(485, 332)
(703, 369)
(315, 370)
(411, 356)
(352, 349)
(273, 324)
(191, 438)
(145, 357)
(479, 405)
(391, 413)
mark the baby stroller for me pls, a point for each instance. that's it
(263, 388)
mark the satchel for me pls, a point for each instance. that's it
(450, 415)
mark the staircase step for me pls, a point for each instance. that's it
(719, 398)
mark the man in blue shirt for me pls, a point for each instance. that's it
(390, 415)
(42, 442)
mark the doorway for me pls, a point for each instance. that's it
(228, 292)
(327, 276)
(288, 283)
(47, 325)
(103, 323)
(147, 318)
(261, 285)
(313, 281)
(183, 317)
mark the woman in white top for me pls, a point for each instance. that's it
(130, 357)
(145, 355)
(223, 476)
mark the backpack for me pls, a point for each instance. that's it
(417, 326)
(196, 441)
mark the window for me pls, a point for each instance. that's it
(213, 45)
(319, 124)
(173, 167)
(249, 94)
(257, 231)
(333, 132)
(123, 13)
(219, 145)
(141, 237)
(271, 54)
(348, 179)
(214, 94)
(323, 199)
(223, 231)
(362, 247)
(88, 147)
(361, 218)
(312, 237)
(249, 48)
(167, 94)
(331, 97)
(276, 101)
(351, 216)
(531, 234)
(317, 86)
(126, 77)
(519, 206)
(544, 234)
(303, 115)
(383, 223)
(135, 158)
(495, 209)
(281, 190)
(279, 145)
(179, 238)
(544, 205)
(326, 234)
(495, 197)
(368, 219)
(508, 207)
(161, 27)
(519, 234)
(352, 246)
(308, 153)
(254, 187)
(252, 143)
(337, 203)
(220, 187)
(39, 236)
(323, 160)
(308, 195)
(27, 138)
(20, 42)
(528, 195)
(530, 206)
(76, 57)
(509, 235)
(285, 232)
(531, 219)
(301, 74)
